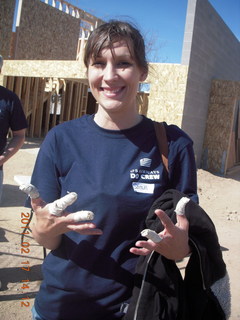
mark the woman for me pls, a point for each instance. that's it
(111, 160)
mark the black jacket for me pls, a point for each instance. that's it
(161, 293)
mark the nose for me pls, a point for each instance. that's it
(110, 72)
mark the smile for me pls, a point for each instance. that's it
(112, 92)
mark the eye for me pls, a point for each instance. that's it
(124, 64)
(98, 64)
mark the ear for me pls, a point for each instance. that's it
(143, 76)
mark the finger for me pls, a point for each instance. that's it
(139, 251)
(152, 235)
(33, 193)
(147, 245)
(30, 190)
(79, 216)
(85, 228)
(166, 221)
(58, 206)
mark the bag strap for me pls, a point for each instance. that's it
(161, 135)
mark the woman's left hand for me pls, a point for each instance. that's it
(174, 244)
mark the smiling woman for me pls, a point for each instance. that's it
(116, 63)
(114, 77)
(112, 162)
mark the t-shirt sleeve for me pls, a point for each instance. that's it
(182, 165)
(45, 174)
(184, 173)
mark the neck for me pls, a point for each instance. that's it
(116, 121)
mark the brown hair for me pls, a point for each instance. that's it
(108, 33)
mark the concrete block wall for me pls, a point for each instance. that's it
(167, 92)
(6, 23)
(46, 33)
(211, 51)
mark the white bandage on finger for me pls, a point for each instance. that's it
(30, 190)
(180, 207)
(56, 208)
(152, 235)
(83, 215)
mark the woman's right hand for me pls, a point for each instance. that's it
(48, 228)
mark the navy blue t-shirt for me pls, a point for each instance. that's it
(11, 115)
(117, 175)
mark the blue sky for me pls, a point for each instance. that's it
(161, 21)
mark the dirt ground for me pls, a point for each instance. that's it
(20, 265)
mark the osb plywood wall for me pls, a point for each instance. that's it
(167, 92)
(6, 22)
(46, 33)
(46, 68)
(223, 98)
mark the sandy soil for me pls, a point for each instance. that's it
(219, 196)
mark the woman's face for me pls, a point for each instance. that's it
(114, 77)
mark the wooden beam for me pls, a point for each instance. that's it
(35, 85)
(26, 95)
(69, 100)
(63, 101)
(18, 86)
(39, 111)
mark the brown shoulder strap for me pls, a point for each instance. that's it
(162, 142)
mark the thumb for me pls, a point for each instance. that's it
(182, 221)
(180, 212)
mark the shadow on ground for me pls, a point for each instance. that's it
(32, 143)
(16, 275)
(12, 196)
(2, 235)
(234, 173)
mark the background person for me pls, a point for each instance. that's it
(11, 117)
(108, 159)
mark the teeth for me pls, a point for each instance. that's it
(111, 91)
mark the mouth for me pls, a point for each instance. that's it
(112, 92)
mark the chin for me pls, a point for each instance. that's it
(112, 107)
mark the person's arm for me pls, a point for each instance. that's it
(13, 146)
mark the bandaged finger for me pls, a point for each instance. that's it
(180, 207)
(151, 235)
(57, 207)
(83, 215)
(30, 190)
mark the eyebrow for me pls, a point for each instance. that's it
(122, 56)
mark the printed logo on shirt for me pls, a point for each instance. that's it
(144, 180)
(143, 187)
(137, 174)
(145, 162)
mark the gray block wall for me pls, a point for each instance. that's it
(6, 22)
(211, 51)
